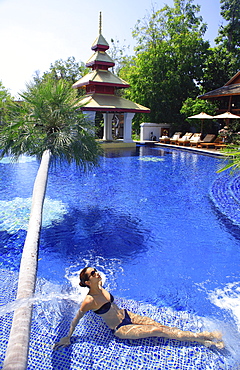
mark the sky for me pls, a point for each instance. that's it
(36, 33)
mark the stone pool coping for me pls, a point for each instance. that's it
(206, 151)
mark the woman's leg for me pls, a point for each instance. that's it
(142, 320)
(144, 327)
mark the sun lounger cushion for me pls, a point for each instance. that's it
(208, 138)
(195, 138)
(186, 137)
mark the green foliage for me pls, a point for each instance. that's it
(229, 35)
(5, 101)
(168, 62)
(47, 119)
(218, 67)
(118, 54)
(223, 61)
(194, 106)
(231, 133)
(4, 93)
(168, 24)
(68, 70)
(233, 153)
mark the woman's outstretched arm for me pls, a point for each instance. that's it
(65, 341)
(86, 305)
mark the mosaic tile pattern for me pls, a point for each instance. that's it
(225, 194)
(95, 347)
(235, 188)
(14, 214)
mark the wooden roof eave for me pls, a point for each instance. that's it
(100, 43)
(119, 86)
(94, 62)
(99, 56)
(109, 103)
(224, 91)
(235, 77)
(205, 97)
(102, 77)
(116, 110)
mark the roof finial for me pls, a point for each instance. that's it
(100, 23)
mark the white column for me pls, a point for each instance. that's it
(127, 129)
(107, 132)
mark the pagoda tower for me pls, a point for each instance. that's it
(101, 86)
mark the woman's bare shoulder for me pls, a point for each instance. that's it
(88, 303)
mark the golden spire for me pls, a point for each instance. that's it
(100, 23)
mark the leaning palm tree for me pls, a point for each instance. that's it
(232, 152)
(46, 125)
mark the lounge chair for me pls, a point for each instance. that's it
(195, 139)
(164, 139)
(175, 137)
(220, 145)
(207, 141)
(185, 140)
(217, 143)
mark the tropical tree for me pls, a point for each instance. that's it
(168, 63)
(69, 70)
(192, 106)
(118, 53)
(229, 34)
(5, 100)
(46, 125)
(233, 157)
(223, 60)
(218, 67)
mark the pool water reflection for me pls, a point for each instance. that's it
(145, 218)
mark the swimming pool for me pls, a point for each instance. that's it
(148, 218)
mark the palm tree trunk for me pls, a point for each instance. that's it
(18, 344)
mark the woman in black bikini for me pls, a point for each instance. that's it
(125, 324)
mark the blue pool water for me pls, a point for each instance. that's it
(159, 224)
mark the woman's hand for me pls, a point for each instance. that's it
(64, 342)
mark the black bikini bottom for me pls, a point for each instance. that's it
(126, 321)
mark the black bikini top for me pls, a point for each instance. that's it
(105, 307)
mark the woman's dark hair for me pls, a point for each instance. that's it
(84, 277)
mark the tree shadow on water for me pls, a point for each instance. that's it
(104, 232)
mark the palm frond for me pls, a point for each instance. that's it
(233, 161)
(48, 120)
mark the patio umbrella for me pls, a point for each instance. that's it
(202, 116)
(227, 115)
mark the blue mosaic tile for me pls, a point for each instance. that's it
(95, 347)
(225, 194)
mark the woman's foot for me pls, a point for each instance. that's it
(214, 335)
(209, 343)
(220, 344)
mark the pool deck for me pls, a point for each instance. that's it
(116, 144)
(206, 151)
(119, 144)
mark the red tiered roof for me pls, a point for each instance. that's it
(101, 84)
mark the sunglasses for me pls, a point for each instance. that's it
(92, 273)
